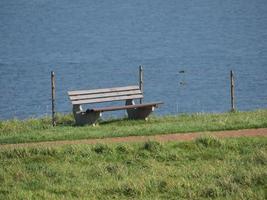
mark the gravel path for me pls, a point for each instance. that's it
(161, 138)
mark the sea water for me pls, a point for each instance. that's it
(187, 49)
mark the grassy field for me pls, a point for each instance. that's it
(207, 168)
(31, 130)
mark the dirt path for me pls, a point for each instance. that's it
(161, 138)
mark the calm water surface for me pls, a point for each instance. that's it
(93, 44)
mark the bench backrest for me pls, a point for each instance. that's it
(80, 97)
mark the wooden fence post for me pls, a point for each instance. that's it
(141, 80)
(53, 94)
(232, 91)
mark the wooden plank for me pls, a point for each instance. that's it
(103, 90)
(141, 80)
(53, 97)
(100, 100)
(101, 95)
(112, 108)
(232, 91)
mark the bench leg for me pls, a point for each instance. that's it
(138, 113)
(83, 118)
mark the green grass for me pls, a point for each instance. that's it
(32, 130)
(207, 168)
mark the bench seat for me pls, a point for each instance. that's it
(113, 108)
(126, 93)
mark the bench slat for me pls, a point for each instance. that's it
(103, 90)
(107, 99)
(101, 95)
(112, 108)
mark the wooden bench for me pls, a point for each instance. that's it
(127, 94)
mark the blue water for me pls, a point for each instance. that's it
(93, 44)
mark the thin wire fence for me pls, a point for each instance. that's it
(182, 91)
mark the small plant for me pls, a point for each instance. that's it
(69, 150)
(101, 149)
(152, 146)
(64, 120)
(162, 186)
(122, 149)
(242, 177)
(209, 141)
(129, 190)
(260, 157)
(260, 179)
(112, 169)
(227, 185)
(210, 192)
